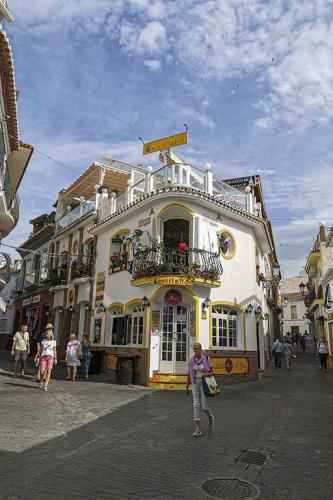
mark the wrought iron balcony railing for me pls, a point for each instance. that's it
(312, 295)
(189, 262)
(80, 270)
(57, 276)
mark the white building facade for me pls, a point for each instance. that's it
(183, 258)
(295, 312)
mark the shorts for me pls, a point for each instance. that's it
(46, 363)
(21, 355)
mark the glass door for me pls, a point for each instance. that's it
(174, 351)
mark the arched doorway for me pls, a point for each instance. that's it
(174, 349)
(176, 231)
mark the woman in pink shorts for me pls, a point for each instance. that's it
(48, 358)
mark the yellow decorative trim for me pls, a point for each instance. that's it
(176, 205)
(173, 281)
(227, 231)
(229, 304)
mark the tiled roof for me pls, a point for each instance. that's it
(182, 189)
(9, 90)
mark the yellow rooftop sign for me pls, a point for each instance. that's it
(166, 143)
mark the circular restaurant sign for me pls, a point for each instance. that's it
(228, 365)
(173, 298)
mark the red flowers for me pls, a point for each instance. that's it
(182, 246)
(258, 267)
(113, 258)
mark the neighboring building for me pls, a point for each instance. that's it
(79, 206)
(14, 155)
(183, 257)
(318, 265)
(327, 285)
(33, 297)
(295, 313)
(8, 296)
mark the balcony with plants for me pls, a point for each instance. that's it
(80, 270)
(191, 265)
(57, 276)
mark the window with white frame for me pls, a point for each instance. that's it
(224, 326)
(135, 330)
(117, 326)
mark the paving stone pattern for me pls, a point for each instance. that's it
(96, 440)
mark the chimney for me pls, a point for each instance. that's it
(322, 233)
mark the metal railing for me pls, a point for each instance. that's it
(80, 270)
(5, 271)
(312, 294)
(192, 262)
(57, 275)
(75, 214)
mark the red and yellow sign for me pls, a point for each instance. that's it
(100, 286)
(229, 366)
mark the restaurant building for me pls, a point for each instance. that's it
(183, 257)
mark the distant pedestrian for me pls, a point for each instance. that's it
(302, 343)
(289, 338)
(48, 358)
(73, 355)
(322, 350)
(86, 356)
(20, 348)
(288, 353)
(199, 367)
(277, 351)
(297, 340)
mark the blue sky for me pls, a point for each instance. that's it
(251, 79)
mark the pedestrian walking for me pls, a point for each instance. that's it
(20, 349)
(289, 338)
(48, 357)
(288, 353)
(86, 356)
(73, 355)
(199, 367)
(277, 351)
(322, 350)
(40, 339)
(297, 340)
(302, 343)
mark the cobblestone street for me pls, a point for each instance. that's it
(98, 440)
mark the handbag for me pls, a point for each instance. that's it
(37, 363)
(79, 351)
(210, 387)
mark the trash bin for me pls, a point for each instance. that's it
(125, 370)
(95, 367)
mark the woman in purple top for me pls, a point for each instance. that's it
(199, 367)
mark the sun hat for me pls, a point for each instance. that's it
(72, 336)
(49, 326)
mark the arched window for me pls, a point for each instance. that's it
(116, 326)
(36, 268)
(224, 326)
(51, 256)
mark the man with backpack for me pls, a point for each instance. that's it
(21, 348)
(277, 351)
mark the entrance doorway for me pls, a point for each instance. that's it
(176, 231)
(174, 349)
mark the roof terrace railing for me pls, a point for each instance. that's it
(181, 174)
(74, 215)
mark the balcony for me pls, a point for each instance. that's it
(5, 271)
(87, 206)
(176, 266)
(315, 298)
(80, 270)
(57, 276)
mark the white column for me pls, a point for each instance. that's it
(113, 203)
(149, 180)
(208, 179)
(129, 191)
(187, 175)
(173, 174)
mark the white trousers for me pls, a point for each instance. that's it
(199, 399)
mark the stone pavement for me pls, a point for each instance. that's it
(95, 440)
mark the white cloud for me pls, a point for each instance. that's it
(152, 64)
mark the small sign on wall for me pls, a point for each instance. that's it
(111, 362)
(229, 366)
